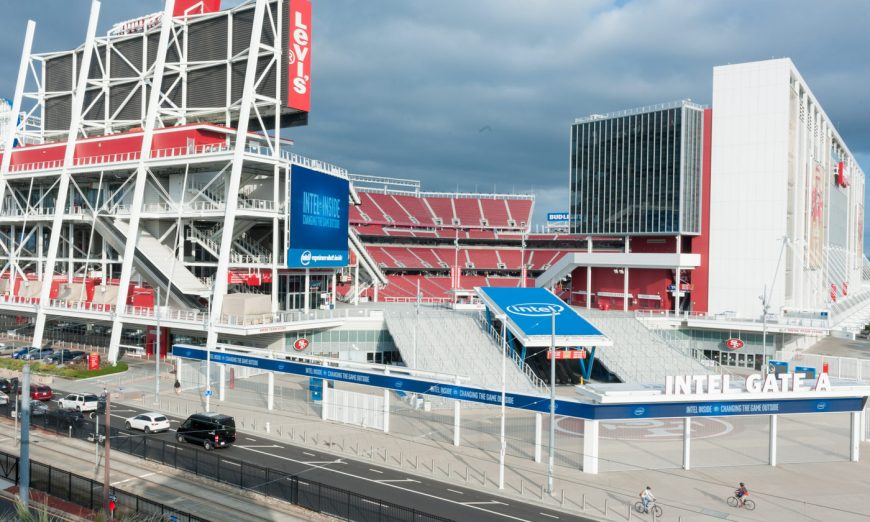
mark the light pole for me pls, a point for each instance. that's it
(157, 352)
(503, 394)
(765, 306)
(552, 457)
(24, 467)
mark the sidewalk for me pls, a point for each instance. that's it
(696, 495)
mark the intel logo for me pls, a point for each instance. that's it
(534, 309)
(821, 405)
(639, 411)
(399, 384)
(305, 258)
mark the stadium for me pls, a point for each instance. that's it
(151, 203)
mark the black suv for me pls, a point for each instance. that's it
(212, 430)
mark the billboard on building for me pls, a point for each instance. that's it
(557, 217)
(815, 252)
(299, 55)
(318, 219)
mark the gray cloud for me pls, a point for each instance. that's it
(402, 88)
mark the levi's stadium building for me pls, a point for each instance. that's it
(754, 204)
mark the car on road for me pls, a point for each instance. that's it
(39, 392)
(37, 409)
(79, 401)
(6, 385)
(4, 399)
(211, 429)
(65, 417)
(36, 354)
(148, 422)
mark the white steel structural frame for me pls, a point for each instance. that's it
(141, 178)
(63, 187)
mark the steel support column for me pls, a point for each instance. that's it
(63, 184)
(141, 179)
(12, 126)
(232, 191)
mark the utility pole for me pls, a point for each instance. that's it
(552, 458)
(108, 442)
(24, 465)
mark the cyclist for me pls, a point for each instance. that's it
(740, 493)
(647, 497)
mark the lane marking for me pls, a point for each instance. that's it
(409, 490)
(336, 461)
(309, 454)
(376, 471)
(551, 516)
(250, 439)
(489, 502)
(270, 446)
(399, 480)
(134, 478)
(231, 462)
(454, 491)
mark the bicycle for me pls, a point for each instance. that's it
(653, 508)
(733, 501)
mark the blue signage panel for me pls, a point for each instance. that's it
(557, 217)
(318, 219)
(537, 403)
(530, 309)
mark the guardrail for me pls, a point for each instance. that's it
(730, 317)
(312, 495)
(86, 492)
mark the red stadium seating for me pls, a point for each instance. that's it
(372, 209)
(512, 259)
(417, 209)
(468, 212)
(483, 259)
(495, 212)
(443, 209)
(520, 211)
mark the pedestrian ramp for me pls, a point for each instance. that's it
(453, 343)
(638, 354)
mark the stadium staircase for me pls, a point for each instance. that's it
(638, 354)
(156, 262)
(454, 343)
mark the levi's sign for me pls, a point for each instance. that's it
(299, 55)
(755, 383)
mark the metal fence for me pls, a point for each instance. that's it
(86, 492)
(322, 498)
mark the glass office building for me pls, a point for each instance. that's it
(638, 172)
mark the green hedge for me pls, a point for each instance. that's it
(67, 372)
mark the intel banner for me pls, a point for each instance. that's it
(318, 219)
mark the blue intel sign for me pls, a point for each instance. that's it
(557, 217)
(531, 310)
(318, 219)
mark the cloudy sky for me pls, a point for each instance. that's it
(479, 95)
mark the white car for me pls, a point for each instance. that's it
(79, 401)
(4, 399)
(148, 422)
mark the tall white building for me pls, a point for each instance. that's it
(781, 174)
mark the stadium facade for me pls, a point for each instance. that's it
(757, 195)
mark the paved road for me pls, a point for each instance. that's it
(426, 495)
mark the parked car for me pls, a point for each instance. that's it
(77, 355)
(58, 357)
(21, 352)
(4, 399)
(36, 354)
(212, 430)
(79, 401)
(148, 422)
(6, 386)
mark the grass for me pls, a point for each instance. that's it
(79, 371)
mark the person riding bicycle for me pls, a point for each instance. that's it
(647, 497)
(740, 493)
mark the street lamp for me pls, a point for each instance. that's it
(552, 457)
(503, 394)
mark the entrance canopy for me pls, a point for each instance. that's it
(529, 311)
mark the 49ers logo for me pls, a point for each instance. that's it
(734, 344)
(299, 55)
(301, 344)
